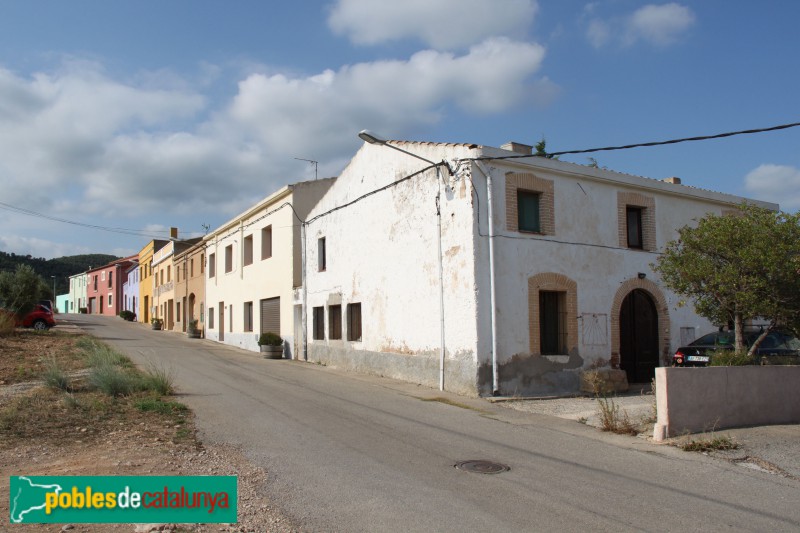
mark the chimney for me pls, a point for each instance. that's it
(674, 180)
(173, 233)
(519, 148)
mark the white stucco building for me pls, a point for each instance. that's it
(77, 292)
(130, 289)
(565, 285)
(254, 265)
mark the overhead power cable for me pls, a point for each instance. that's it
(124, 231)
(654, 143)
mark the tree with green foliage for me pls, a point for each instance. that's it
(541, 150)
(737, 267)
(20, 290)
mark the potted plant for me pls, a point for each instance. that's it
(156, 323)
(192, 330)
(271, 345)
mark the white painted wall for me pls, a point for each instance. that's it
(77, 291)
(382, 252)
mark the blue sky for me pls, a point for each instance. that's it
(145, 115)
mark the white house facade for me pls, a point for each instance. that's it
(130, 290)
(254, 266)
(563, 284)
(77, 291)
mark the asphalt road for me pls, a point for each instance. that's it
(355, 453)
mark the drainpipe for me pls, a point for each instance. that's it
(492, 291)
(304, 280)
(441, 276)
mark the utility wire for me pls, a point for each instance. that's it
(654, 143)
(124, 231)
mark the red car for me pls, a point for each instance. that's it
(41, 318)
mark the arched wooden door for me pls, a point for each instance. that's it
(638, 335)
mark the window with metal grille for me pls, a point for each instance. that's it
(266, 242)
(553, 322)
(633, 217)
(354, 322)
(248, 250)
(335, 322)
(318, 323)
(528, 211)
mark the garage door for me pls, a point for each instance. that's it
(271, 315)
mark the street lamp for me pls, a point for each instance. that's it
(372, 138)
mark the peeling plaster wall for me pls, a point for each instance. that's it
(586, 212)
(382, 253)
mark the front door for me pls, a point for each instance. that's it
(638, 335)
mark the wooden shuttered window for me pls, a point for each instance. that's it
(271, 315)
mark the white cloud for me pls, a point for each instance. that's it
(775, 183)
(658, 25)
(79, 145)
(312, 113)
(443, 24)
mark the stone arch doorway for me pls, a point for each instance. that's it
(638, 327)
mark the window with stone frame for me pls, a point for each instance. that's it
(636, 219)
(530, 204)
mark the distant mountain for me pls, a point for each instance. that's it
(60, 267)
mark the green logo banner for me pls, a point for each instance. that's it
(123, 499)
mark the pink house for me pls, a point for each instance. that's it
(104, 287)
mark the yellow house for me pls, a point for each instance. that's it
(145, 311)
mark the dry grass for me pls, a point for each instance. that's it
(709, 443)
(615, 419)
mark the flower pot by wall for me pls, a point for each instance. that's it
(272, 352)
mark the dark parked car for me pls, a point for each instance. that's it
(40, 318)
(700, 352)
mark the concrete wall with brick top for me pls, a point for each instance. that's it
(693, 400)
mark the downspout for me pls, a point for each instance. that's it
(492, 290)
(441, 276)
(304, 281)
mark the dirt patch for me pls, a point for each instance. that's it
(79, 431)
(25, 354)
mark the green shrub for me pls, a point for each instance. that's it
(730, 358)
(127, 315)
(270, 339)
(114, 380)
(158, 379)
(54, 377)
(100, 354)
(155, 404)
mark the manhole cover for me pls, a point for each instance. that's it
(482, 467)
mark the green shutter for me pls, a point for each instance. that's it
(528, 211)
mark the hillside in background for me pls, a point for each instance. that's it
(60, 267)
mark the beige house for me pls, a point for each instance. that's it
(165, 276)
(255, 264)
(190, 287)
